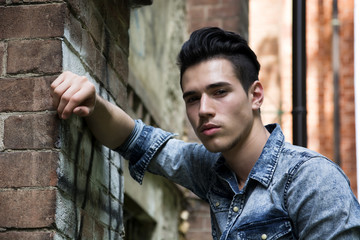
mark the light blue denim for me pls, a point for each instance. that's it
(291, 192)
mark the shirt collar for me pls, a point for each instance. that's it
(264, 167)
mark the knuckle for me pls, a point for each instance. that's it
(67, 73)
(83, 79)
(66, 97)
(75, 100)
(91, 86)
(57, 92)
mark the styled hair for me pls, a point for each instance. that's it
(211, 43)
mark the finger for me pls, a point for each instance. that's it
(67, 103)
(59, 86)
(58, 80)
(82, 111)
(80, 101)
(54, 85)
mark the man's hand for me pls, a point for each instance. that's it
(73, 94)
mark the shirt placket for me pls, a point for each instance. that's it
(235, 210)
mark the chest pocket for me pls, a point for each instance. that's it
(279, 229)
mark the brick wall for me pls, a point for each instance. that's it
(320, 74)
(320, 84)
(30, 58)
(231, 15)
(347, 107)
(56, 181)
(320, 87)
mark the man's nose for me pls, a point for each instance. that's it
(206, 107)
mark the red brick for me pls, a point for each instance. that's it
(34, 56)
(223, 11)
(197, 14)
(232, 24)
(209, 23)
(27, 208)
(28, 169)
(26, 94)
(32, 131)
(25, 235)
(30, 21)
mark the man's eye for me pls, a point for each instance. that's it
(220, 92)
(191, 100)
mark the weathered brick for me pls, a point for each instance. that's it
(87, 227)
(26, 94)
(99, 231)
(31, 131)
(27, 208)
(27, 235)
(202, 2)
(34, 56)
(2, 57)
(223, 11)
(118, 58)
(30, 21)
(197, 13)
(28, 169)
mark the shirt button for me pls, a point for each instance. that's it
(217, 204)
(264, 236)
(235, 209)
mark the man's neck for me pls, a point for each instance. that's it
(241, 159)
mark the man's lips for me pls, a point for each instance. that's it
(209, 129)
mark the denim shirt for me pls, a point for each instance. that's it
(290, 193)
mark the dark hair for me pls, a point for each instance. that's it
(212, 42)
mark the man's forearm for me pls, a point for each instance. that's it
(110, 124)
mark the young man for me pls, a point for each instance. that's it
(258, 186)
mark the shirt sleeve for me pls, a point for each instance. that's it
(320, 201)
(157, 151)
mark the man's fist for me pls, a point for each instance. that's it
(73, 94)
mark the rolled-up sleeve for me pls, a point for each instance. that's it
(140, 147)
(157, 151)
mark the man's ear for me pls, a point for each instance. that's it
(256, 95)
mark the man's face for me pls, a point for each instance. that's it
(217, 106)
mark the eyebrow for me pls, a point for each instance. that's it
(210, 86)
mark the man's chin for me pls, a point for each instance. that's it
(211, 147)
